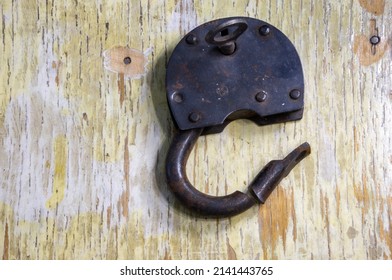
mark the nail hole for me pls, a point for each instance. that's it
(374, 40)
(127, 60)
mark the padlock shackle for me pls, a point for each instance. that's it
(229, 205)
(204, 204)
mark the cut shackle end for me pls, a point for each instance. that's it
(271, 175)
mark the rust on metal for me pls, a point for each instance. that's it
(223, 206)
(224, 70)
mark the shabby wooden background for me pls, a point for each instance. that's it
(83, 136)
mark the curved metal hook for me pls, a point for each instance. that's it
(228, 205)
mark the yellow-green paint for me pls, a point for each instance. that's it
(84, 148)
(60, 172)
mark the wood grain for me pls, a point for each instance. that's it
(82, 148)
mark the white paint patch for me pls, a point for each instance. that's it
(183, 18)
(32, 122)
(329, 167)
(27, 168)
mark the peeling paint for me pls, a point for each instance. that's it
(127, 61)
(99, 136)
(60, 172)
(6, 243)
(274, 219)
(231, 254)
(363, 49)
(375, 7)
(352, 232)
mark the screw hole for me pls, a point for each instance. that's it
(374, 40)
(127, 60)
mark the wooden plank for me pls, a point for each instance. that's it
(82, 144)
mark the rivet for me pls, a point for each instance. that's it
(177, 97)
(265, 30)
(191, 39)
(295, 94)
(194, 117)
(127, 60)
(261, 96)
(374, 40)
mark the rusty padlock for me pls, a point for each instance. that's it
(224, 70)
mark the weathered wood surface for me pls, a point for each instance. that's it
(83, 140)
